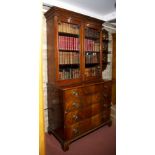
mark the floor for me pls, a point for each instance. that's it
(99, 142)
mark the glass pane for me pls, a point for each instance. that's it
(69, 51)
(107, 55)
(92, 52)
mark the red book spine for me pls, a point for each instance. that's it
(72, 43)
(75, 43)
(69, 43)
(91, 45)
(63, 42)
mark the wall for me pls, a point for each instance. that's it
(44, 52)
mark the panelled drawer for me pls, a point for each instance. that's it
(77, 93)
(85, 125)
(86, 108)
(77, 129)
(71, 94)
(82, 102)
(89, 90)
(92, 98)
(100, 118)
(72, 99)
(84, 113)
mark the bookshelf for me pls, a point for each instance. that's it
(69, 51)
(107, 55)
(78, 98)
(92, 52)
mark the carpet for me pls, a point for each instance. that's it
(99, 142)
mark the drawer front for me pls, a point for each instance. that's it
(71, 94)
(82, 102)
(89, 90)
(71, 105)
(92, 98)
(86, 125)
(81, 114)
(100, 118)
(77, 129)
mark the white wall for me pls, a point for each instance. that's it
(44, 52)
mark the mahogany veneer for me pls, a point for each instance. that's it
(76, 106)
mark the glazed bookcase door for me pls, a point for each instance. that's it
(107, 55)
(69, 52)
(92, 54)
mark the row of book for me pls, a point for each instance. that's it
(69, 73)
(92, 58)
(91, 33)
(93, 71)
(68, 28)
(68, 43)
(91, 45)
(69, 58)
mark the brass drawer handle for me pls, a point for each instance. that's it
(75, 131)
(75, 93)
(75, 117)
(75, 105)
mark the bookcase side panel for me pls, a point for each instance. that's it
(51, 63)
